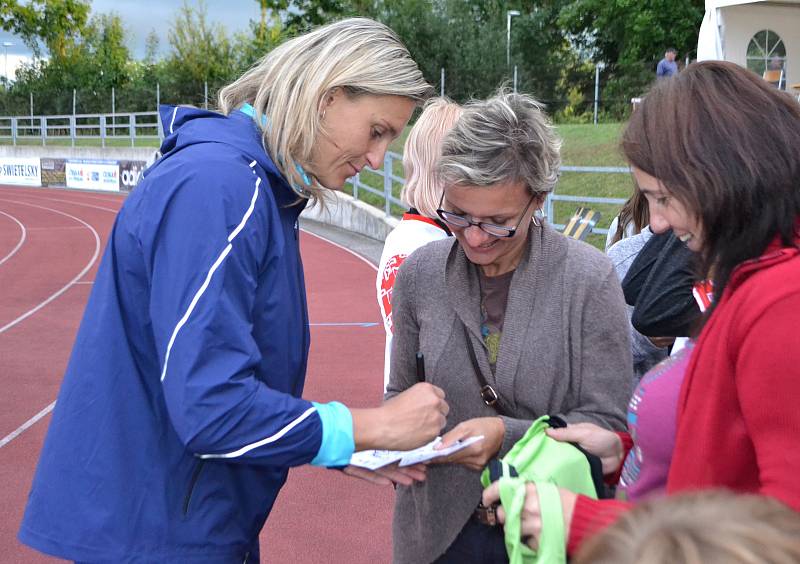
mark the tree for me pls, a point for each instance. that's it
(200, 53)
(59, 24)
(630, 36)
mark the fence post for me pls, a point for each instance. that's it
(72, 119)
(596, 90)
(205, 95)
(113, 111)
(515, 79)
(356, 180)
(387, 182)
(548, 209)
(441, 89)
(132, 129)
(43, 129)
(13, 131)
(102, 131)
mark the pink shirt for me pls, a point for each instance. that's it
(652, 423)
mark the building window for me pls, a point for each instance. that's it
(766, 56)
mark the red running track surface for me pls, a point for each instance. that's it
(50, 245)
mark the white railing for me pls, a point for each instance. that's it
(387, 180)
(102, 129)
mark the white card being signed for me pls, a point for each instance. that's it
(374, 459)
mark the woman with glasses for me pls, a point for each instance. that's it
(514, 321)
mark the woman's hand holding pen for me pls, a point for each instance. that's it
(477, 455)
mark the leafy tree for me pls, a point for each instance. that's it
(57, 23)
(200, 53)
(630, 36)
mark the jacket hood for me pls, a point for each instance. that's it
(185, 126)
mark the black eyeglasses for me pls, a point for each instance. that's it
(462, 221)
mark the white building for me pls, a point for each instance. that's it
(761, 35)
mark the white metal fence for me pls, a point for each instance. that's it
(128, 128)
(385, 193)
(100, 129)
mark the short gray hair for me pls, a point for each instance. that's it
(507, 138)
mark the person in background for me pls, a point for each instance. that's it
(667, 66)
(180, 412)
(716, 527)
(514, 320)
(646, 352)
(723, 413)
(422, 190)
(631, 220)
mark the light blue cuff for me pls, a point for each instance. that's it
(337, 435)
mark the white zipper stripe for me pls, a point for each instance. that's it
(247, 214)
(172, 122)
(262, 442)
(207, 281)
(191, 306)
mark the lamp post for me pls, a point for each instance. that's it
(6, 45)
(509, 14)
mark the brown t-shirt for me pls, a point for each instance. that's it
(494, 295)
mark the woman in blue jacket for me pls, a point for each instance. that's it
(180, 412)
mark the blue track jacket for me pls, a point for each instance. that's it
(179, 414)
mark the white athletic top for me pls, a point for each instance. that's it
(413, 232)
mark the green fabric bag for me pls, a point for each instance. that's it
(549, 464)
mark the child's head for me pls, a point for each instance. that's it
(701, 528)
(423, 146)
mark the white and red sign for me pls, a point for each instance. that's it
(92, 175)
(21, 171)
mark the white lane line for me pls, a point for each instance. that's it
(25, 426)
(80, 275)
(46, 199)
(21, 239)
(355, 254)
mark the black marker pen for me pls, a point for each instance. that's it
(420, 367)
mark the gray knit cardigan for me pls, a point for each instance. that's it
(564, 351)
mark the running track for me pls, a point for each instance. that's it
(50, 246)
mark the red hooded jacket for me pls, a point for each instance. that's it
(739, 408)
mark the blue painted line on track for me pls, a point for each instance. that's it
(356, 324)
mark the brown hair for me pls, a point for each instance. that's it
(700, 528)
(725, 144)
(634, 210)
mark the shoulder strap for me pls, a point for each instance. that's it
(488, 393)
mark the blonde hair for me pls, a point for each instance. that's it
(700, 528)
(423, 147)
(290, 83)
(507, 138)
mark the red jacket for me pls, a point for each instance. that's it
(739, 408)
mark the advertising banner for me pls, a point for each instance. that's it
(53, 172)
(130, 172)
(20, 171)
(93, 175)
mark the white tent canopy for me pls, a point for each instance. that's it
(756, 34)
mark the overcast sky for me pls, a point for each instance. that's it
(141, 16)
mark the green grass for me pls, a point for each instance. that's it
(89, 142)
(583, 145)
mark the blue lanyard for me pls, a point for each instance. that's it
(249, 110)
